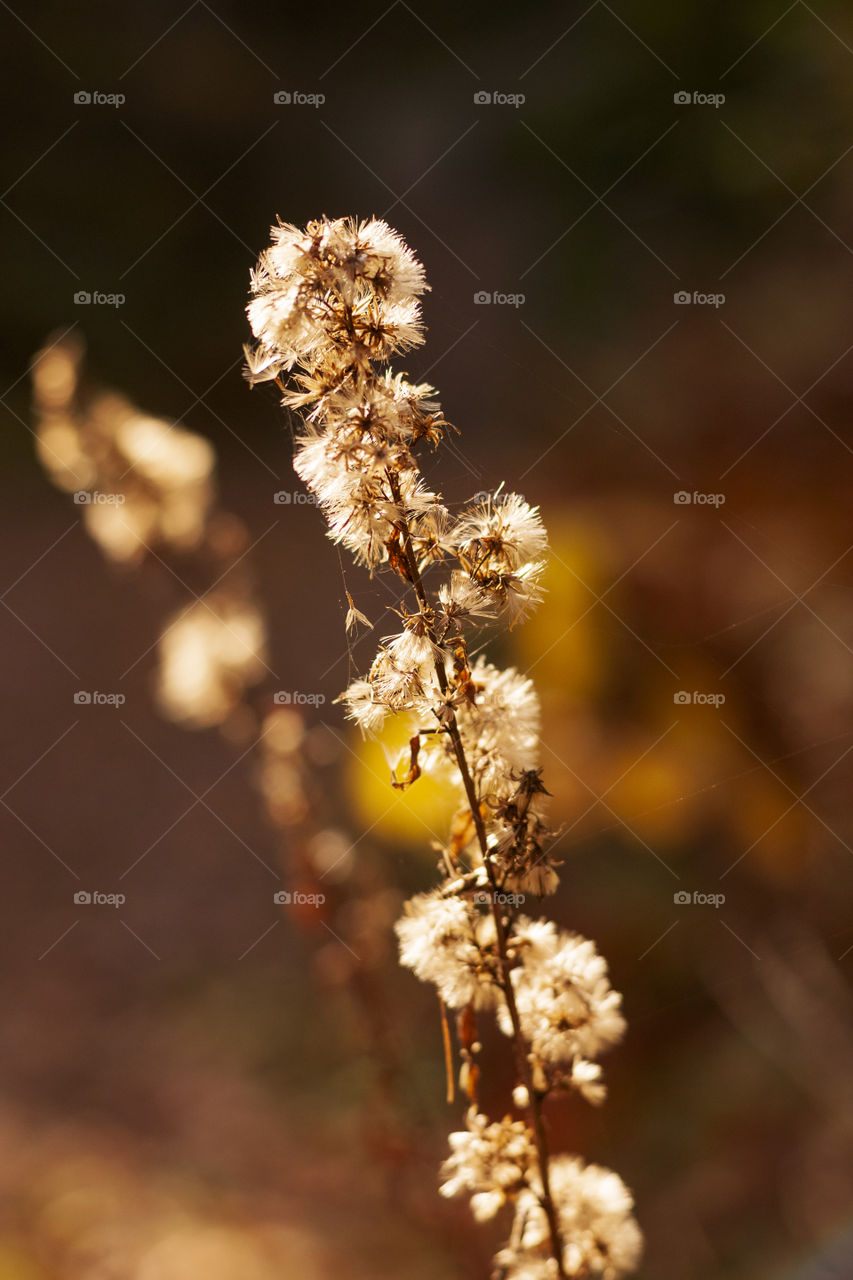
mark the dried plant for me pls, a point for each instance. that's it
(329, 307)
(146, 490)
(143, 483)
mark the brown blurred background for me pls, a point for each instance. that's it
(200, 1082)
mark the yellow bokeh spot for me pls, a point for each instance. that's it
(416, 816)
(561, 640)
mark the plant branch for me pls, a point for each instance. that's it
(520, 1045)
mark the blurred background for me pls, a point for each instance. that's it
(636, 221)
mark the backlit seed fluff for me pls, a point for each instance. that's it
(340, 285)
(448, 942)
(567, 1007)
(489, 1161)
(595, 1213)
(331, 304)
(501, 543)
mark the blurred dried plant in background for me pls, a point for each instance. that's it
(211, 669)
(145, 484)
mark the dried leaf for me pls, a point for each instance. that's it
(414, 771)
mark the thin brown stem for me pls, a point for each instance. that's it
(523, 1067)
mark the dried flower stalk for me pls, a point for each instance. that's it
(330, 305)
